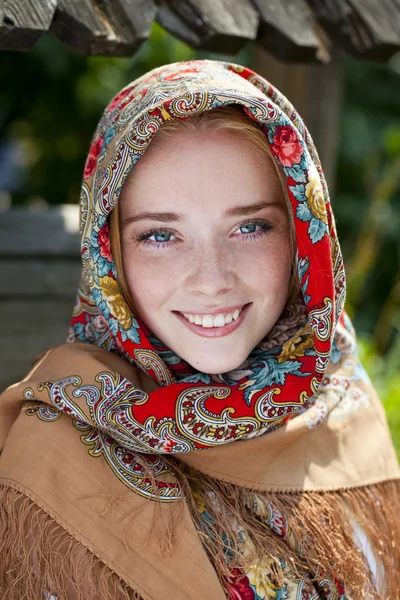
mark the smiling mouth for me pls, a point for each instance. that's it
(217, 324)
(219, 320)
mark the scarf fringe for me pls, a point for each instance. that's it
(40, 559)
(321, 532)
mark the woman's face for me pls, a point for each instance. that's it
(206, 246)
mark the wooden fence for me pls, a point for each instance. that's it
(39, 272)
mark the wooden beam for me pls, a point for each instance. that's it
(103, 27)
(30, 327)
(292, 30)
(40, 267)
(49, 232)
(47, 278)
(223, 26)
(288, 30)
(368, 29)
(23, 22)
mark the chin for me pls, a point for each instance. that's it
(217, 365)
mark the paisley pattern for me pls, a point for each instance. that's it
(129, 467)
(320, 320)
(283, 378)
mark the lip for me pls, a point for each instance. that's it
(215, 331)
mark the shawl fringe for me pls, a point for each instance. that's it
(320, 538)
(40, 559)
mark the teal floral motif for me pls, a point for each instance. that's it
(336, 354)
(198, 378)
(265, 371)
(296, 173)
(109, 135)
(311, 208)
(100, 302)
(168, 356)
(303, 266)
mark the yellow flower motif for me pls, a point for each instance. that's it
(297, 345)
(109, 286)
(315, 197)
(259, 571)
(199, 500)
(115, 302)
(258, 576)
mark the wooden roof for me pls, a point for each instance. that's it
(292, 30)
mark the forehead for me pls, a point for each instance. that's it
(220, 164)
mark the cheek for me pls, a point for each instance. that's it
(150, 281)
(267, 268)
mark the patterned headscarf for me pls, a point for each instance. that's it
(280, 376)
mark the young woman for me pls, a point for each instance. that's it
(208, 431)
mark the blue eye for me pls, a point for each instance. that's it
(252, 230)
(157, 239)
(161, 236)
(249, 228)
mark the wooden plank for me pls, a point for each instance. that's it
(115, 27)
(22, 22)
(223, 26)
(25, 278)
(29, 328)
(368, 29)
(293, 30)
(287, 30)
(49, 232)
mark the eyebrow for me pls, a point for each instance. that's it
(168, 217)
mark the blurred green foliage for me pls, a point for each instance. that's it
(367, 209)
(385, 374)
(50, 102)
(367, 199)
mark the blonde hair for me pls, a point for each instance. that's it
(230, 118)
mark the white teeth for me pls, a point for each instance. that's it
(209, 321)
(219, 320)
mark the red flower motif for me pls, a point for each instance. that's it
(104, 242)
(92, 157)
(240, 588)
(118, 98)
(286, 146)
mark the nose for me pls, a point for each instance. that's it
(212, 271)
